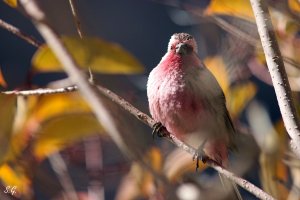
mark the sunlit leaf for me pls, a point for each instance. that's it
(15, 177)
(217, 67)
(139, 182)
(55, 121)
(12, 3)
(179, 163)
(58, 120)
(294, 5)
(2, 80)
(7, 113)
(99, 55)
(48, 106)
(239, 96)
(155, 160)
(57, 133)
(237, 8)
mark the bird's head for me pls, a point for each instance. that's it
(182, 44)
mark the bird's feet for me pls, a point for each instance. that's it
(200, 155)
(158, 130)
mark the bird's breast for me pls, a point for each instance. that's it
(179, 105)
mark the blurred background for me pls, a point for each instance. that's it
(51, 146)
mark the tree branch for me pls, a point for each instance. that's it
(76, 18)
(277, 71)
(31, 40)
(60, 168)
(103, 115)
(41, 91)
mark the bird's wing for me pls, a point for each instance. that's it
(216, 99)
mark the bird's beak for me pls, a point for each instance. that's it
(183, 49)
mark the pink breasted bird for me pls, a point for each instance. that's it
(186, 98)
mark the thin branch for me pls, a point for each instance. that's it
(41, 91)
(235, 31)
(76, 18)
(103, 115)
(60, 168)
(31, 40)
(278, 73)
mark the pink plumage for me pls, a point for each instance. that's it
(187, 99)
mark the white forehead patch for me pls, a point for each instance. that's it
(182, 37)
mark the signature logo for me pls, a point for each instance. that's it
(11, 190)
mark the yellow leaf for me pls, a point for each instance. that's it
(294, 5)
(55, 121)
(179, 163)
(2, 80)
(7, 114)
(239, 96)
(139, 182)
(12, 3)
(15, 177)
(48, 106)
(99, 55)
(237, 8)
(59, 120)
(155, 158)
(59, 132)
(217, 67)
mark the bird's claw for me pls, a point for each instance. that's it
(200, 155)
(157, 130)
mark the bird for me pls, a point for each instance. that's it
(185, 98)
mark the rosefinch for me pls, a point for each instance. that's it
(186, 98)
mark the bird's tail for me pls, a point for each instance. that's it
(229, 185)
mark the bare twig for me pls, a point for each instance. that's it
(76, 18)
(94, 166)
(60, 168)
(41, 91)
(277, 71)
(31, 40)
(234, 31)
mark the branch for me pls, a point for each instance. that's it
(41, 91)
(277, 71)
(76, 18)
(60, 168)
(31, 40)
(102, 113)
